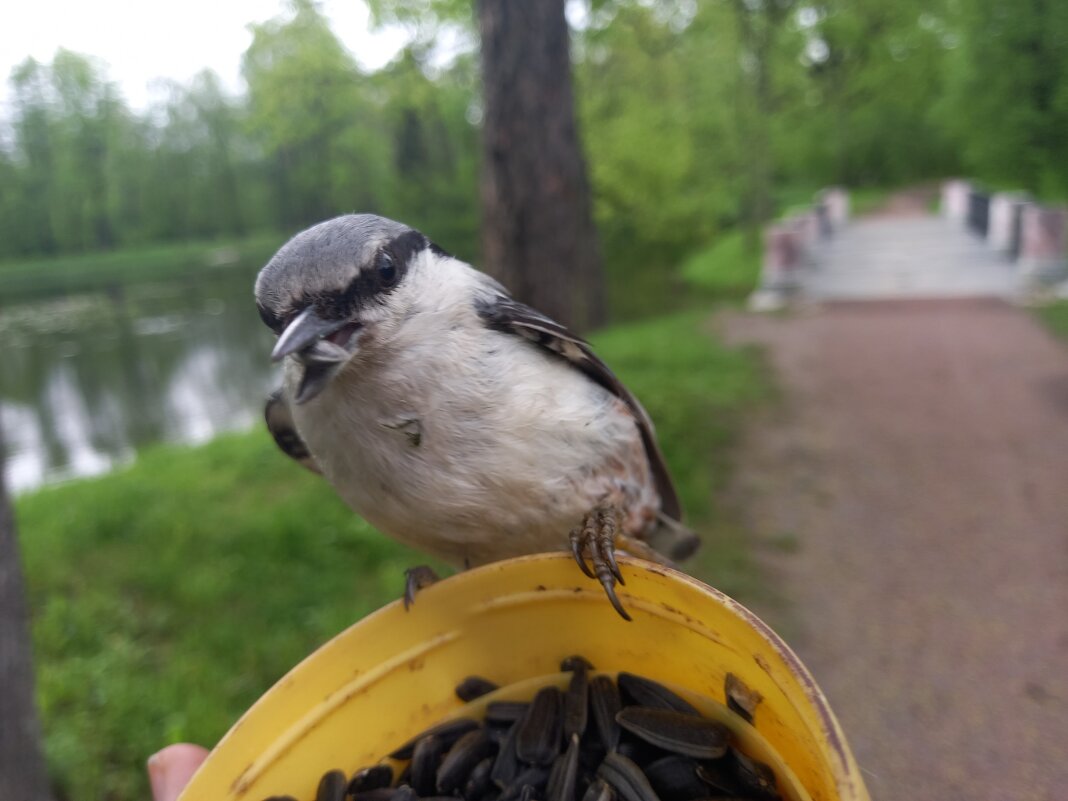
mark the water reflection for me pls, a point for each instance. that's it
(86, 380)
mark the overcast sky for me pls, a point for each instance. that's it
(141, 40)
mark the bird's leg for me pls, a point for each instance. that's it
(597, 534)
(415, 579)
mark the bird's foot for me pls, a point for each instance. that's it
(415, 579)
(597, 535)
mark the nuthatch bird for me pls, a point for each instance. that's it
(452, 417)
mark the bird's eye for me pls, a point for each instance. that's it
(387, 269)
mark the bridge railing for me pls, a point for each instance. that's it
(1034, 236)
(791, 243)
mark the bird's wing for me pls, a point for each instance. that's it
(280, 424)
(502, 313)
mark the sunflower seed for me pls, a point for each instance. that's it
(740, 698)
(479, 783)
(506, 765)
(371, 778)
(450, 731)
(562, 778)
(534, 777)
(756, 778)
(332, 786)
(677, 732)
(506, 711)
(404, 793)
(675, 777)
(575, 662)
(576, 702)
(474, 687)
(538, 739)
(646, 692)
(605, 703)
(468, 751)
(426, 758)
(377, 794)
(599, 790)
(627, 779)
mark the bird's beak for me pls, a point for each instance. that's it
(304, 332)
(305, 339)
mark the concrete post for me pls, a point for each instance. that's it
(955, 196)
(783, 258)
(1043, 243)
(823, 216)
(1003, 210)
(837, 200)
(808, 230)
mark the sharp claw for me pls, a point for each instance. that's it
(610, 591)
(415, 579)
(610, 557)
(576, 551)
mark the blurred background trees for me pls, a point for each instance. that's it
(689, 112)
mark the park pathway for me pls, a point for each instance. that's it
(914, 485)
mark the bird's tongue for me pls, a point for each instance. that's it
(342, 336)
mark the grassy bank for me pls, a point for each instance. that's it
(1056, 317)
(86, 271)
(168, 596)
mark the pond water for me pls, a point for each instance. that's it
(87, 379)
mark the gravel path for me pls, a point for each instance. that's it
(915, 482)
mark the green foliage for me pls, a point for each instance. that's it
(728, 268)
(168, 596)
(45, 276)
(1056, 317)
(1009, 107)
(313, 138)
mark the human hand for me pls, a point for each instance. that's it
(170, 770)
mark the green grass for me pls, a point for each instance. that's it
(168, 596)
(727, 269)
(1056, 317)
(865, 200)
(84, 271)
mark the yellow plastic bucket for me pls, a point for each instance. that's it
(391, 675)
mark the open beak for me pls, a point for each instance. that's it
(306, 338)
(306, 329)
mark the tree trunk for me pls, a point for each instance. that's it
(538, 235)
(22, 766)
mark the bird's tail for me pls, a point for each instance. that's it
(673, 539)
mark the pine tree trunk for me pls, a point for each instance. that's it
(22, 765)
(538, 235)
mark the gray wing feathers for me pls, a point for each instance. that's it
(280, 424)
(505, 314)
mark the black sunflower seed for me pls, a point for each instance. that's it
(506, 711)
(506, 765)
(426, 758)
(646, 692)
(675, 777)
(377, 794)
(332, 786)
(371, 778)
(605, 704)
(450, 731)
(457, 765)
(627, 779)
(676, 732)
(538, 738)
(474, 687)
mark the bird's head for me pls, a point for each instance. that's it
(329, 285)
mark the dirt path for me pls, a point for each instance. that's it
(915, 479)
